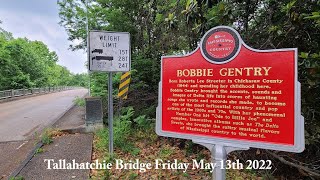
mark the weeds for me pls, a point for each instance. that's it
(165, 152)
(200, 156)
(16, 178)
(132, 133)
(39, 150)
(122, 132)
(133, 176)
(79, 101)
(185, 174)
(46, 137)
(189, 148)
(142, 122)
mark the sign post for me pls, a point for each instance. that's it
(228, 96)
(109, 52)
(110, 113)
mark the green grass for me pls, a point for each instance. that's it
(123, 130)
(165, 152)
(46, 137)
(79, 101)
(16, 178)
(133, 176)
(39, 150)
(185, 174)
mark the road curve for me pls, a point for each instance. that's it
(20, 119)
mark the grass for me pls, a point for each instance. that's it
(16, 178)
(48, 134)
(133, 176)
(46, 137)
(135, 138)
(165, 152)
(185, 174)
(39, 150)
(79, 101)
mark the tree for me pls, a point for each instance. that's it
(26, 64)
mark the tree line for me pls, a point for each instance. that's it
(28, 64)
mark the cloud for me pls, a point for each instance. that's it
(42, 26)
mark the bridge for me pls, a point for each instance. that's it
(22, 118)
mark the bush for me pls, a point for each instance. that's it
(122, 131)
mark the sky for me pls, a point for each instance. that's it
(38, 20)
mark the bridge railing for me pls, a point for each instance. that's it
(25, 92)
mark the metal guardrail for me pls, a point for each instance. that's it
(25, 92)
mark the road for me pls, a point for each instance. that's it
(20, 119)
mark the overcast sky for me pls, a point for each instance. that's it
(38, 20)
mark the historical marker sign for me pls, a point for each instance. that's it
(230, 94)
(109, 51)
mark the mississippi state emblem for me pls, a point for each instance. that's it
(220, 45)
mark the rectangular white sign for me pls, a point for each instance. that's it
(109, 51)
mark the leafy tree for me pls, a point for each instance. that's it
(26, 64)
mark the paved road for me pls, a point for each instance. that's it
(20, 119)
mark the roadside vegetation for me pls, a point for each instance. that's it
(79, 101)
(17, 178)
(29, 64)
(49, 134)
(135, 138)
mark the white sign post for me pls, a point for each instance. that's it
(109, 52)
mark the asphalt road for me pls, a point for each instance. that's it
(21, 119)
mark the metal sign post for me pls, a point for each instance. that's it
(109, 52)
(218, 157)
(110, 113)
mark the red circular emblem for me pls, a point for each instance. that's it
(220, 45)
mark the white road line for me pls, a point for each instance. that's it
(21, 145)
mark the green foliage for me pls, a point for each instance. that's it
(143, 122)
(39, 150)
(133, 176)
(27, 64)
(189, 147)
(122, 129)
(16, 178)
(185, 174)
(46, 137)
(79, 101)
(165, 153)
